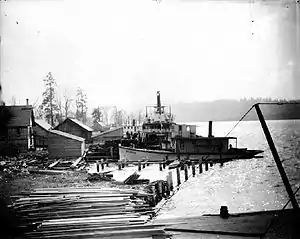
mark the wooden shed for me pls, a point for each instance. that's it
(18, 131)
(110, 135)
(75, 127)
(40, 131)
(61, 144)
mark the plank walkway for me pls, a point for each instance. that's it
(266, 224)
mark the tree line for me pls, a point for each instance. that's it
(55, 109)
(232, 110)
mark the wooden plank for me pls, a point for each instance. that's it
(54, 164)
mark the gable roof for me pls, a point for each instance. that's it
(21, 115)
(108, 131)
(66, 135)
(43, 124)
(76, 122)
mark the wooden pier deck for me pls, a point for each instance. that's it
(265, 224)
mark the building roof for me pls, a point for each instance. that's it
(43, 124)
(76, 122)
(107, 132)
(21, 115)
(66, 135)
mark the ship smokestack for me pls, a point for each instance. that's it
(210, 129)
(158, 102)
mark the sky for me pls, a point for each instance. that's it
(121, 52)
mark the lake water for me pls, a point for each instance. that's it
(242, 185)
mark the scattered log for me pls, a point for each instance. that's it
(131, 179)
(76, 162)
(54, 164)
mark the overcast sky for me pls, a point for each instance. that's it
(122, 51)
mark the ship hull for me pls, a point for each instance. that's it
(128, 154)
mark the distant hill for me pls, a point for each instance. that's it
(231, 110)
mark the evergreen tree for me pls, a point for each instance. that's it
(97, 114)
(49, 105)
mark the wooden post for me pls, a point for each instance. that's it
(144, 165)
(123, 165)
(211, 164)
(102, 166)
(160, 167)
(178, 176)
(221, 161)
(200, 166)
(163, 189)
(167, 186)
(153, 187)
(206, 166)
(164, 165)
(186, 176)
(111, 152)
(193, 169)
(97, 166)
(139, 166)
(171, 180)
(159, 190)
(107, 164)
(120, 165)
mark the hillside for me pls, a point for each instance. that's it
(231, 110)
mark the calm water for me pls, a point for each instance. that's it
(243, 185)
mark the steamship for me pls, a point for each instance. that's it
(162, 139)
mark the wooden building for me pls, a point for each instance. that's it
(65, 145)
(75, 127)
(18, 131)
(40, 131)
(110, 135)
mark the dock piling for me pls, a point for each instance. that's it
(186, 176)
(178, 176)
(193, 169)
(206, 166)
(171, 180)
(120, 165)
(102, 166)
(167, 186)
(139, 166)
(211, 163)
(97, 166)
(160, 167)
(200, 167)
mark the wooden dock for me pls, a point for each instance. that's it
(265, 224)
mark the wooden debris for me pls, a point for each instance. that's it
(41, 171)
(131, 179)
(54, 164)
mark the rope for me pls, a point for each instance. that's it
(239, 121)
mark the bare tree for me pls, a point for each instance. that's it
(13, 100)
(81, 105)
(67, 104)
(59, 113)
